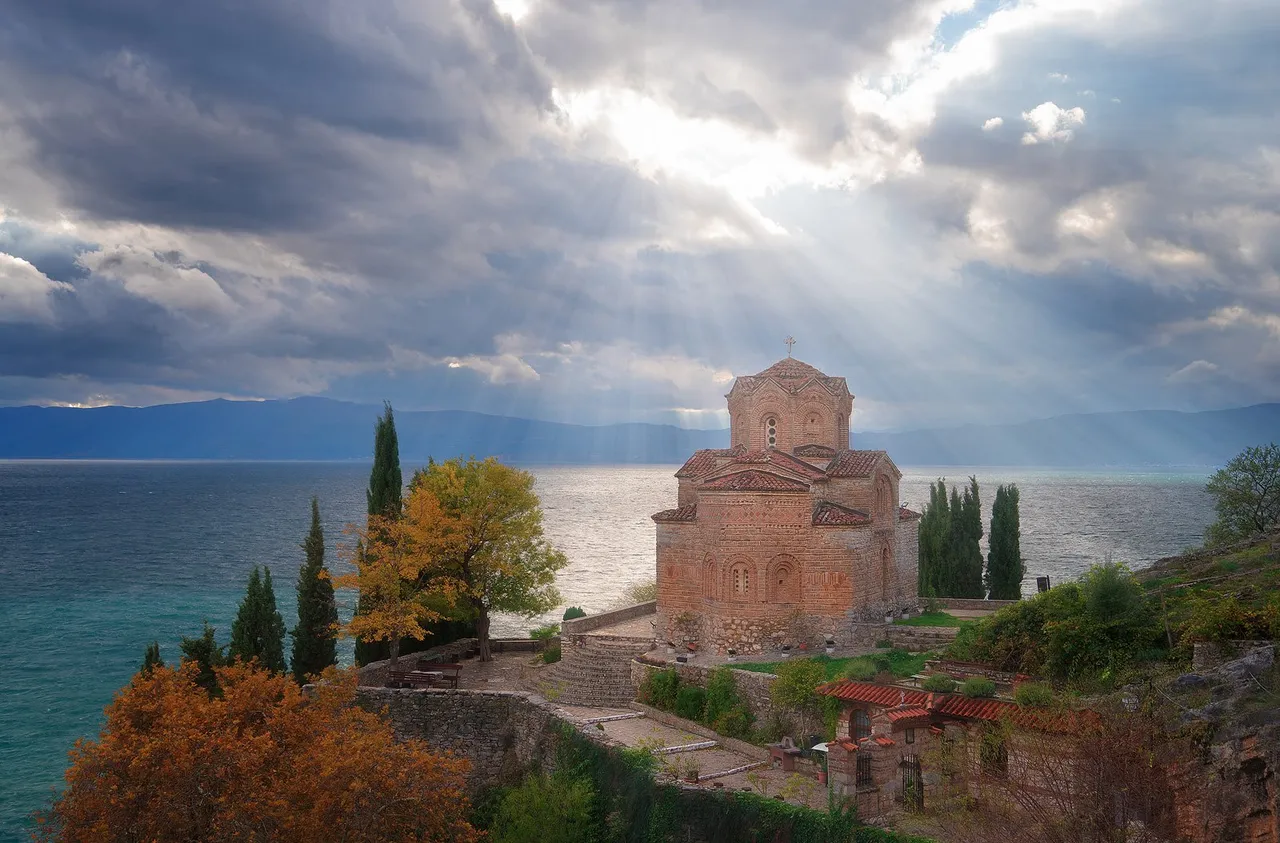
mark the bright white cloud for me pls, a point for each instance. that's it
(1049, 123)
(25, 292)
(992, 124)
(145, 275)
(1196, 370)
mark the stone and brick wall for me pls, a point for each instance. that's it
(965, 604)
(920, 638)
(374, 674)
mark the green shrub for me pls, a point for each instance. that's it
(545, 633)
(1223, 617)
(660, 688)
(573, 612)
(722, 694)
(555, 809)
(551, 655)
(939, 683)
(691, 701)
(1034, 695)
(795, 683)
(861, 669)
(978, 687)
(884, 644)
(734, 723)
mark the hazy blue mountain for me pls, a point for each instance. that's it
(318, 428)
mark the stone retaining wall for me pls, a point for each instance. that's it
(502, 733)
(374, 674)
(750, 750)
(920, 638)
(753, 687)
(966, 604)
(590, 622)
(1206, 655)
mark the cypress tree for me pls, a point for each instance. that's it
(934, 526)
(207, 655)
(314, 647)
(258, 630)
(383, 497)
(1005, 566)
(951, 577)
(151, 659)
(969, 568)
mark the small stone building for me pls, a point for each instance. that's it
(788, 536)
(896, 748)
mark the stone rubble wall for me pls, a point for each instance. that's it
(374, 674)
(593, 622)
(753, 687)
(920, 638)
(967, 604)
(1207, 655)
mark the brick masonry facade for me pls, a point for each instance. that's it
(789, 536)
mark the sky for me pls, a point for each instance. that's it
(605, 211)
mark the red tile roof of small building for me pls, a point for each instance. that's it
(827, 514)
(680, 513)
(755, 480)
(850, 463)
(883, 741)
(950, 705)
(908, 713)
(704, 460)
(905, 514)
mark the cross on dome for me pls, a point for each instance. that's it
(790, 341)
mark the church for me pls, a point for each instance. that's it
(788, 537)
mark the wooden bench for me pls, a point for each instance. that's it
(412, 678)
(449, 671)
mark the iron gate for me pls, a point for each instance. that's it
(912, 783)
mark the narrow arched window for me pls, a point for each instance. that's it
(740, 581)
(771, 432)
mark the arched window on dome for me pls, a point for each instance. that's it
(813, 427)
(771, 432)
(884, 496)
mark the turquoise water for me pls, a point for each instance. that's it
(99, 558)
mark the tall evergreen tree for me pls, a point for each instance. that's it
(258, 630)
(207, 654)
(151, 658)
(951, 577)
(935, 524)
(386, 483)
(314, 644)
(384, 498)
(1005, 566)
(969, 561)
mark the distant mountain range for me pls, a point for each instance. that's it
(322, 429)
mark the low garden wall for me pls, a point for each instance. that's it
(966, 604)
(920, 638)
(753, 688)
(374, 674)
(590, 622)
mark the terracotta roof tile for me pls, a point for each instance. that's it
(905, 514)
(790, 367)
(792, 375)
(680, 513)
(883, 741)
(704, 460)
(781, 459)
(755, 480)
(908, 713)
(827, 514)
(850, 463)
(813, 449)
(950, 705)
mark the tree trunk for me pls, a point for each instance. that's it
(482, 633)
(395, 650)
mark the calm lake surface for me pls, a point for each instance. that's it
(97, 559)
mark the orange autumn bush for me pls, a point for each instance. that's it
(263, 762)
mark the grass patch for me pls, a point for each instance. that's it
(931, 619)
(898, 662)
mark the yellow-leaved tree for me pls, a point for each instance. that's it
(480, 524)
(390, 556)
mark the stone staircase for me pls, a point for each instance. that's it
(920, 638)
(595, 670)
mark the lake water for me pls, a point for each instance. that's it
(99, 558)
